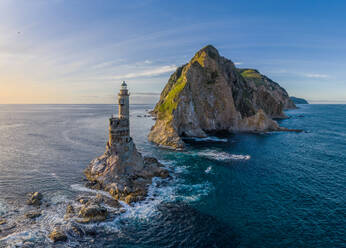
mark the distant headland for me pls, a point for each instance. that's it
(297, 100)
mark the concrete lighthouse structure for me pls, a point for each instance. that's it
(119, 127)
(122, 170)
(123, 100)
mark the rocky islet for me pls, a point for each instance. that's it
(209, 94)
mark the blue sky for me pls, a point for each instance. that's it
(78, 51)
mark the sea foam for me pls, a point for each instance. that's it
(222, 156)
(209, 138)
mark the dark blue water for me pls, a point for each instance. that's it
(245, 190)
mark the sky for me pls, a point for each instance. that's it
(79, 51)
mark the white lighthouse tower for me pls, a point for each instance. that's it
(123, 100)
(119, 127)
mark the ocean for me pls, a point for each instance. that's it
(279, 189)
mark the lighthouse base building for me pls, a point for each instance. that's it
(121, 170)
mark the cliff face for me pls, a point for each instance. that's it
(267, 94)
(211, 94)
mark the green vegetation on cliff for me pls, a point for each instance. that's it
(171, 100)
(170, 95)
(252, 75)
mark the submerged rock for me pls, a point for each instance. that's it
(92, 213)
(111, 202)
(70, 212)
(33, 214)
(92, 209)
(70, 209)
(57, 235)
(75, 230)
(209, 94)
(28, 244)
(2, 221)
(94, 185)
(35, 198)
(83, 199)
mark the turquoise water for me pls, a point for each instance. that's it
(245, 190)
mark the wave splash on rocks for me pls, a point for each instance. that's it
(55, 218)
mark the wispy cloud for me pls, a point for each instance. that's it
(107, 64)
(148, 73)
(145, 93)
(315, 75)
(238, 63)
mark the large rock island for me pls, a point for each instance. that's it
(210, 94)
(121, 170)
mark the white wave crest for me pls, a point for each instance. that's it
(160, 191)
(223, 156)
(80, 187)
(3, 208)
(209, 138)
(208, 170)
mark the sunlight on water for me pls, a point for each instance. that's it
(257, 187)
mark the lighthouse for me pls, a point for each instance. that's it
(123, 101)
(119, 127)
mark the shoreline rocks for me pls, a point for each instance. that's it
(35, 199)
(2, 221)
(90, 209)
(57, 235)
(126, 178)
(92, 213)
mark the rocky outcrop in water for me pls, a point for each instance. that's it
(122, 170)
(2, 221)
(297, 100)
(57, 235)
(125, 175)
(90, 209)
(35, 199)
(210, 94)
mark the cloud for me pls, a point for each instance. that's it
(145, 93)
(148, 73)
(107, 64)
(238, 63)
(315, 75)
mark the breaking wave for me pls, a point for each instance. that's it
(3, 208)
(208, 170)
(222, 156)
(209, 138)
